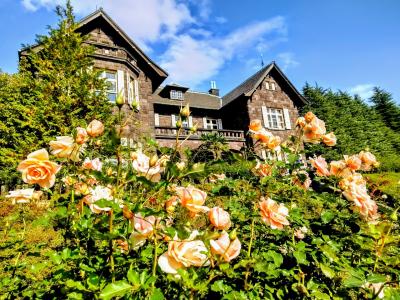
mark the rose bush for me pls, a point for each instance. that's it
(148, 224)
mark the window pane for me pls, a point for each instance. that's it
(112, 97)
(110, 75)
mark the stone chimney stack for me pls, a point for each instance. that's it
(213, 90)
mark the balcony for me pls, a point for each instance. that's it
(170, 133)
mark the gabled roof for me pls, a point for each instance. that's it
(247, 87)
(100, 13)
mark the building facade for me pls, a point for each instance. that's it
(152, 108)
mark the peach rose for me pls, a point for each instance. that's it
(320, 165)
(309, 117)
(141, 163)
(37, 168)
(339, 169)
(20, 196)
(353, 162)
(143, 229)
(262, 170)
(182, 254)
(95, 128)
(81, 135)
(262, 135)
(96, 194)
(255, 125)
(62, 147)
(94, 164)
(301, 122)
(273, 142)
(368, 160)
(192, 198)
(273, 214)
(314, 131)
(226, 248)
(353, 179)
(363, 203)
(219, 218)
(329, 139)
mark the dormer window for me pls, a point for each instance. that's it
(270, 86)
(176, 95)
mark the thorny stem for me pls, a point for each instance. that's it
(249, 254)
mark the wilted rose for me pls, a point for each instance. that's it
(274, 214)
(219, 218)
(95, 128)
(37, 168)
(225, 247)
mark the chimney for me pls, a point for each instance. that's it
(213, 90)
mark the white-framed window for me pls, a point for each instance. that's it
(177, 95)
(111, 82)
(212, 123)
(186, 123)
(275, 118)
(270, 86)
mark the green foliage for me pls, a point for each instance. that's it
(356, 125)
(387, 108)
(55, 91)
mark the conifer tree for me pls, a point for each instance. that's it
(387, 108)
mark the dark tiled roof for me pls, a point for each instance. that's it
(195, 99)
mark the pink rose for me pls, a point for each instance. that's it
(368, 160)
(273, 214)
(81, 135)
(225, 247)
(37, 168)
(94, 164)
(96, 194)
(320, 165)
(143, 229)
(219, 218)
(141, 163)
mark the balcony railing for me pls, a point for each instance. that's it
(170, 132)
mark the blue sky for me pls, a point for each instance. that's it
(347, 45)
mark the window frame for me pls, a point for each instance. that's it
(275, 118)
(112, 80)
(176, 95)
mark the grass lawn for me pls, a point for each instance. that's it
(388, 182)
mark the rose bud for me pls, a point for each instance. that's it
(185, 112)
(95, 128)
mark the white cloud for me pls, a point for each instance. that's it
(287, 60)
(221, 20)
(192, 61)
(365, 91)
(146, 21)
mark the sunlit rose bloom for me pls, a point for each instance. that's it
(81, 135)
(300, 232)
(96, 194)
(182, 254)
(62, 147)
(37, 168)
(81, 188)
(308, 117)
(353, 179)
(273, 142)
(20, 196)
(302, 179)
(94, 164)
(329, 139)
(339, 169)
(363, 203)
(353, 162)
(95, 128)
(68, 180)
(225, 247)
(301, 122)
(320, 165)
(192, 198)
(143, 229)
(263, 135)
(141, 163)
(255, 125)
(314, 131)
(262, 170)
(219, 218)
(274, 214)
(368, 160)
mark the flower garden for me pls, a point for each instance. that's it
(154, 223)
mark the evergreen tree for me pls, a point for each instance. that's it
(387, 108)
(356, 125)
